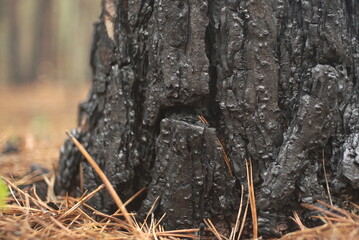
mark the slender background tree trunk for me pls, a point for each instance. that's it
(276, 81)
(14, 55)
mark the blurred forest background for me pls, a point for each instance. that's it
(44, 74)
(46, 39)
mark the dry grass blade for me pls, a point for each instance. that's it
(107, 183)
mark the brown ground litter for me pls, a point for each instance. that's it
(35, 119)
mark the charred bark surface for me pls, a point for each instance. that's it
(277, 81)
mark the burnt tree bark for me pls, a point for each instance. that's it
(276, 80)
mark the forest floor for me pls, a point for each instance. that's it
(33, 122)
(34, 119)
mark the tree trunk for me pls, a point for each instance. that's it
(276, 80)
(15, 73)
(42, 43)
(23, 69)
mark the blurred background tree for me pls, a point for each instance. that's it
(46, 40)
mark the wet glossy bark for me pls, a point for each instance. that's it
(276, 80)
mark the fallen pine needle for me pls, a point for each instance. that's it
(225, 156)
(212, 228)
(107, 183)
(236, 226)
(297, 220)
(326, 179)
(252, 199)
(84, 199)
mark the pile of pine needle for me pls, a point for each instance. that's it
(27, 216)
